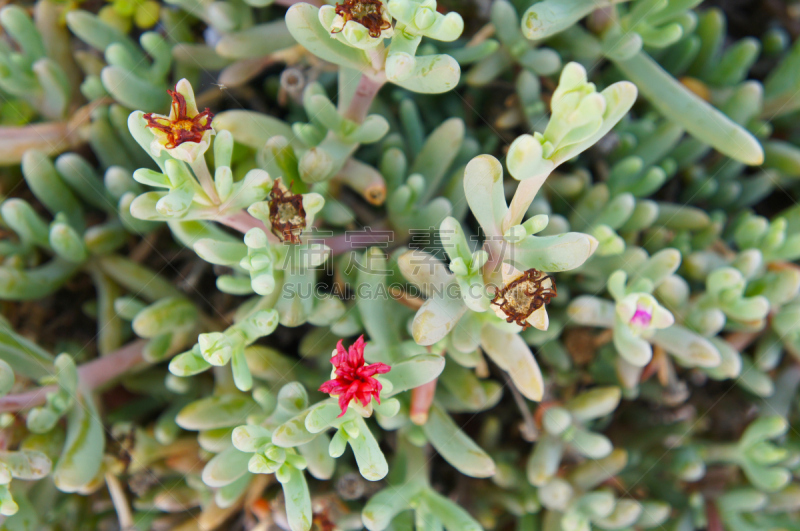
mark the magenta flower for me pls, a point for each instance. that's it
(642, 316)
(354, 378)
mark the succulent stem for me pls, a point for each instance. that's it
(243, 222)
(200, 169)
(523, 197)
(421, 400)
(93, 374)
(362, 100)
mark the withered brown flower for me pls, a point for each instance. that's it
(182, 124)
(368, 13)
(523, 295)
(286, 213)
(322, 522)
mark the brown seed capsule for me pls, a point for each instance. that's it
(524, 295)
(179, 127)
(286, 213)
(322, 522)
(368, 13)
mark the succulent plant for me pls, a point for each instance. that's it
(272, 264)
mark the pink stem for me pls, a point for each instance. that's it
(93, 375)
(49, 137)
(243, 222)
(362, 99)
(523, 197)
(741, 340)
(421, 400)
(492, 270)
(712, 517)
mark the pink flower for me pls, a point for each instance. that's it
(354, 378)
(642, 316)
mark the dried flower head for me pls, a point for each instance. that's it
(523, 297)
(354, 379)
(368, 13)
(322, 522)
(186, 132)
(286, 213)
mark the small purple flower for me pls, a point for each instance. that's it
(642, 316)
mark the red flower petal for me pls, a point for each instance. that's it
(354, 378)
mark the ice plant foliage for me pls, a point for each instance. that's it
(198, 268)
(352, 378)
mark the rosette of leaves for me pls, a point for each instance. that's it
(628, 28)
(214, 417)
(580, 117)
(566, 427)
(185, 198)
(39, 72)
(194, 198)
(507, 239)
(134, 76)
(717, 74)
(72, 191)
(255, 453)
(749, 509)
(217, 349)
(423, 414)
(410, 488)
(773, 239)
(445, 314)
(318, 150)
(350, 429)
(355, 44)
(492, 58)
(294, 436)
(79, 466)
(725, 305)
(192, 192)
(578, 502)
(761, 461)
(414, 181)
(639, 320)
(66, 76)
(39, 84)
